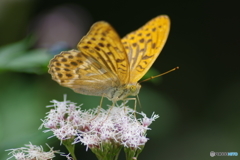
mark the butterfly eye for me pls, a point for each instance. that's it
(133, 88)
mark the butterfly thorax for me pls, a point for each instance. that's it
(123, 91)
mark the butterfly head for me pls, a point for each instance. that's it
(131, 89)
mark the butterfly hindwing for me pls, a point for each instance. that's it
(82, 74)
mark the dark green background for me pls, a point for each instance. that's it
(199, 104)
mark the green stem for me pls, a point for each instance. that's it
(107, 151)
(133, 152)
(70, 148)
(116, 158)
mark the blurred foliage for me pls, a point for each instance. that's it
(18, 57)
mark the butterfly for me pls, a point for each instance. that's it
(108, 66)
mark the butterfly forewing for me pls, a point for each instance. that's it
(103, 44)
(145, 44)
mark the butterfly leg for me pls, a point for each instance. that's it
(99, 107)
(124, 104)
(135, 104)
(110, 109)
(139, 102)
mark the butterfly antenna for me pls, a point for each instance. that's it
(160, 74)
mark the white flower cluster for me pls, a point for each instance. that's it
(94, 127)
(31, 152)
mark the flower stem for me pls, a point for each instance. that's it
(68, 144)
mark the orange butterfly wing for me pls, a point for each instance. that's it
(103, 44)
(145, 44)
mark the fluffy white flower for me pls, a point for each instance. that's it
(96, 127)
(31, 152)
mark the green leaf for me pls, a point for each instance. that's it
(17, 57)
